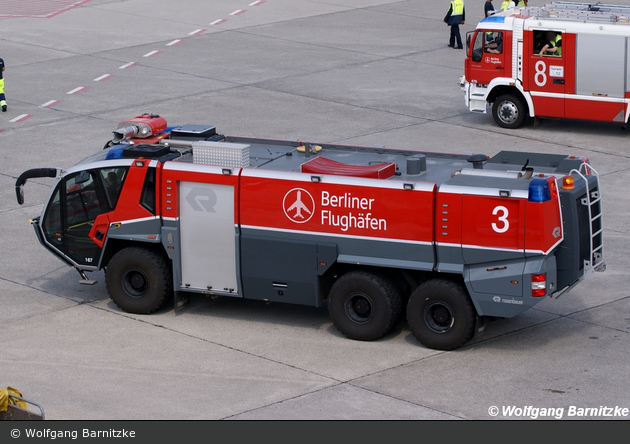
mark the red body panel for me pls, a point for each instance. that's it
(337, 209)
(493, 222)
(169, 195)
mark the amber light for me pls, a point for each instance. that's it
(567, 183)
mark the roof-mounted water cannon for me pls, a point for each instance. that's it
(140, 127)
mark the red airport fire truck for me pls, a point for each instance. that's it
(586, 78)
(371, 233)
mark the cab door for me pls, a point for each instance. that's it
(490, 56)
(66, 224)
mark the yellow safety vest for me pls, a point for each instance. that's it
(457, 7)
(554, 43)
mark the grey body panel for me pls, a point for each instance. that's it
(599, 62)
(207, 237)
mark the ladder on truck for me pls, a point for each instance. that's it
(581, 12)
(596, 226)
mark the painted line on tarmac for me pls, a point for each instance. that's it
(21, 118)
(152, 53)
(175, 42)
(77, 90)
(104, 77)
(49, 103)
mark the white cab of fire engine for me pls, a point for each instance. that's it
(562, 60)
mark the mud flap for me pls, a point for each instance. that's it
(181, 299)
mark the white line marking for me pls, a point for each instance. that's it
(49, 103)
(152, 53)
(21, 117)
(77, 90)
(103, 77)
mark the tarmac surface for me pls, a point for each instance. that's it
(363, 72)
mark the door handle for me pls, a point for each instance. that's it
(558, 81)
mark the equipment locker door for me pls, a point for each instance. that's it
(600, 78)
(208, 241)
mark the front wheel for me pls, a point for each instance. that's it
(364, 306)
(441, 315)
(139, 280)
(509, 111)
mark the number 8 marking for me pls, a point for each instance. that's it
(503, 218)
(540, 77)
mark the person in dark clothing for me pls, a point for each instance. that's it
(3, 100)
(455, 16)
(488, 8)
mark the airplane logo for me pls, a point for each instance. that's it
(299, 205)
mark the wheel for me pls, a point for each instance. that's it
(139, 280)
(509, 111)
(364, 306)
(441, 315)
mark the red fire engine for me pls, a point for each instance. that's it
(512, 65)
(453, 239)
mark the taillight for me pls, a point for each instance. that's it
(539, 285)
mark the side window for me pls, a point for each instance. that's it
(493, 42)
(547, 43)
(82, 200)
(147, 200)
(113, 179)
(478, 47)
(52, 220)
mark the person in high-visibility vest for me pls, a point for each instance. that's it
(455, 16)
(3, 100)
(522, 4)
(507, 4)
(553, 46)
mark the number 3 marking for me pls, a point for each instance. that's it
(503, 218)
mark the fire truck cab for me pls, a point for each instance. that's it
(585, 75)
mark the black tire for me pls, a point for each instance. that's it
(440, 315)
(509, 111)
(364, 306)
(139, 280)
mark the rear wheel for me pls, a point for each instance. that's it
(441, 315)
(364, 306)
(509, 111)
(139, 280)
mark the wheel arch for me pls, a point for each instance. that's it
(511, 88)
(114, 245)
(405, 279)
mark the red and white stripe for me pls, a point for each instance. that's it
(21, 118)
(77, 90)
(49, 104)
